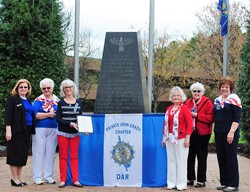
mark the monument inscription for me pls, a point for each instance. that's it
(122, 83)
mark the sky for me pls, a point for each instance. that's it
(101, 16)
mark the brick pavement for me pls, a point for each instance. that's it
(212, 177)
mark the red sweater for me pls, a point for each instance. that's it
(185, 122)
(204, 120)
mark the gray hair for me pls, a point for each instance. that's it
(198, 86)
(68, 83)
(47, 81)
(180, 91)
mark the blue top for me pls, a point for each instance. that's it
(28, 111)
(43, 105)
(227, 112)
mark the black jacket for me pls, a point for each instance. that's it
(15, 115)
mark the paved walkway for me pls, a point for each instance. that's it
(212, 177)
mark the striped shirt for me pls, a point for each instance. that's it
(67, 113)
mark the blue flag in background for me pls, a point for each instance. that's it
(222, 6)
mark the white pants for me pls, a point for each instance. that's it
(177, 155)
(44, 144)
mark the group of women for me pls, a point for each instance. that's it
(49, 121)
(186, 134)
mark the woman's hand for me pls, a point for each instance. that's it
(163, 144)
(187, 141)
(194, 114)
(230, 137)
(8, 133)
(51, 114)
(74, 125)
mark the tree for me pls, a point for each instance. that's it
(243, 86)
(88, 72)
(167, 63)
(31, 45)
(208, 52)
(88, 66)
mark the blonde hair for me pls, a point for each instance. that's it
(15, 89)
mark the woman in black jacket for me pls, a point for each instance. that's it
(19, 122)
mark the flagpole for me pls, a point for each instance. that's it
(150, 53)
(225, 48)
(225, 55)
(76, 47)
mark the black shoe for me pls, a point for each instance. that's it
(199, 185)
(190, 183)
(221, 187)
(228, 189)
(62, 185)
(77, 185)
(24, 183)
(13, 183)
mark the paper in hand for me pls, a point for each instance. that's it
(85, 124)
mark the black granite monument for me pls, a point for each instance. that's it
(122, 83)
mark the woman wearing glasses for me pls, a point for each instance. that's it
(19, 122)
(68, 137)
(44, 142)
(201, 108)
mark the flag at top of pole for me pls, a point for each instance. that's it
(223, 7)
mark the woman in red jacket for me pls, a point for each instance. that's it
(176, 133)
(201, 108)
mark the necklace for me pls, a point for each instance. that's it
(173, 111)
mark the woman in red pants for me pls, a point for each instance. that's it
(68, 137)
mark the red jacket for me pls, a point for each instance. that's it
(185, 121)
(204, 119)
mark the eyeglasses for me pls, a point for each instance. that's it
(198, 91)
(23, 87)
(69, 87)
(44, 88)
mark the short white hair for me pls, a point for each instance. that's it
(47, 82)
(197, 86)
(68, 83)
(180, 91)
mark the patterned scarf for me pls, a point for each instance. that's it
(48, 105)
(174, 138)
(194, 109)
(232, 99)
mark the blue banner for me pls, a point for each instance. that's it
(91, 153)
(222, 6)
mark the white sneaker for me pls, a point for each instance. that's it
(38, 182)
(50, 180)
